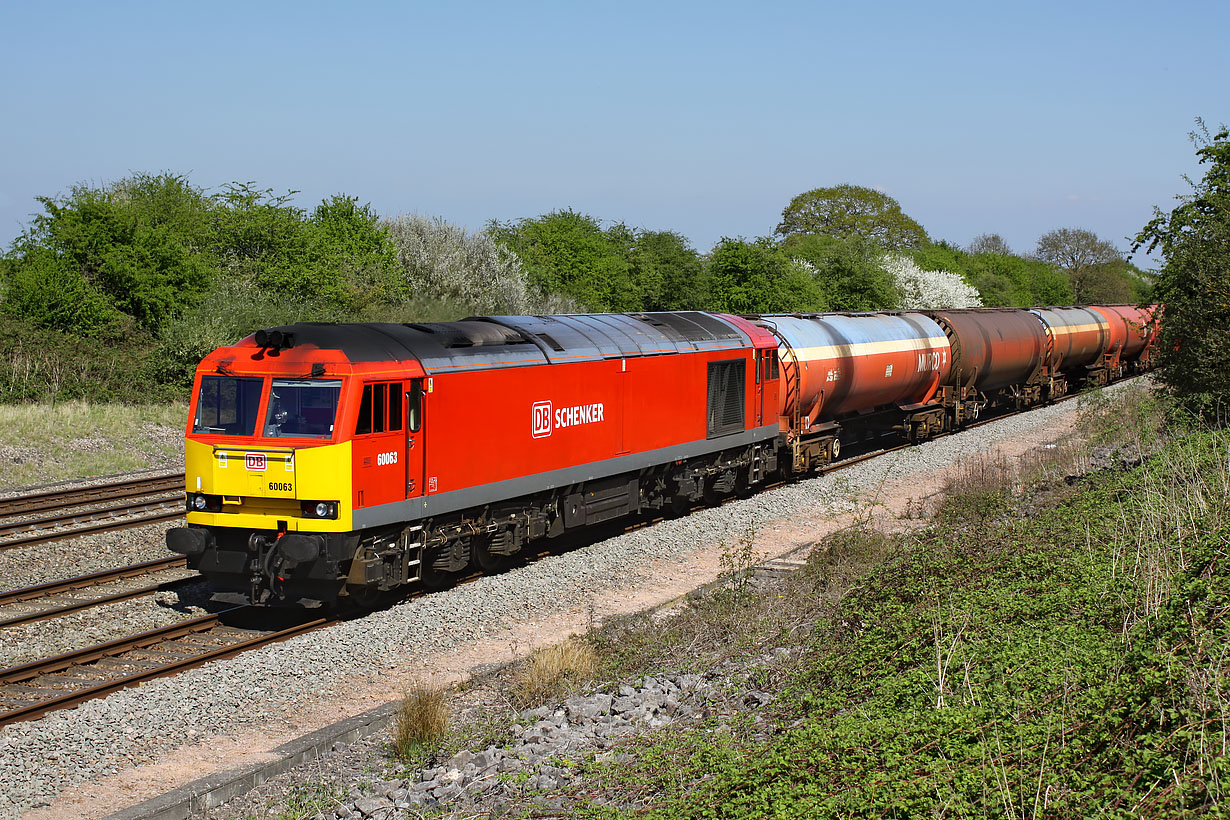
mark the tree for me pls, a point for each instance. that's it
(568, 253)
(851, 211)
(757, 277)
(849, 273)
(1002, 280)
(105, 258)
(1193, 285)
(990, 243)
(924, 289)
(445, 262)
(667, 272)
(1078, 253)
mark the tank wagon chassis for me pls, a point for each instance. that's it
(472, 440)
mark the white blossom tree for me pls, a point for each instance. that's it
(444, 261)
(922, 289)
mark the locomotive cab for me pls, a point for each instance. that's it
(277, 442)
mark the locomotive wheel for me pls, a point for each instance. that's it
(680, 504)
(361, 598)
(489, 561)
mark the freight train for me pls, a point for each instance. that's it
(330, 463)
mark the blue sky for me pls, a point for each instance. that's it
(703, 118)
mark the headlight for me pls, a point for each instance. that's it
(200, 502)
(318, 509)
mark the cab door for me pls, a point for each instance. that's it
(380, 445)
(416, 440)
(757, 364)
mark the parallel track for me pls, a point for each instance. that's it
(33, 689)
(47, 593)
(44, 517)
(111, 491)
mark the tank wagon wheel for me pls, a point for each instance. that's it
(835, 449)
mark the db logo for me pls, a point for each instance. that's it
(254, 461)
(542, 419)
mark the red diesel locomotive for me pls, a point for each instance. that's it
(338, 461)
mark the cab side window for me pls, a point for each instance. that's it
(380, 409)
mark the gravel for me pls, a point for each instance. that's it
(132, 727)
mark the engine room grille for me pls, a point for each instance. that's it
(726, 397)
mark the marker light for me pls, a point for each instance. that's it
(322, 510)
(200, 502)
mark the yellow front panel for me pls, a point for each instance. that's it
(260, 498)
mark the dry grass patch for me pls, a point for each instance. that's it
(550, 673)
(41, 443)
(421, 721)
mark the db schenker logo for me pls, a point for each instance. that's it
(542, 419)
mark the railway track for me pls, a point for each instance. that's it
(33, 689)
(51, 600)
(57, 515)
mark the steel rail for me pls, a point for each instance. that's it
(66, 518)
(37, 591)
(36, 594)
(145, 640)
(77, 606)
(110, 491)
(99, 521)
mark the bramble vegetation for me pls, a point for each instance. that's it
(1053, 650)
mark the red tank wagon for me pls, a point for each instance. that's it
(1132, 333)
(841, 370)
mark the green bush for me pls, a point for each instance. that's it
(759, 277)
(1194, 285)
(848, 273)
(569, 253)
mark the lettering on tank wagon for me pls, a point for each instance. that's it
(932, 360)
(546, 419)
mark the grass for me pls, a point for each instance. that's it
(421, 722)
(41, 443)
(552, 672)
(305, 801)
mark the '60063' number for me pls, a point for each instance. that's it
(282, 486)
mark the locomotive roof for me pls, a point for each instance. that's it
(510, 341)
